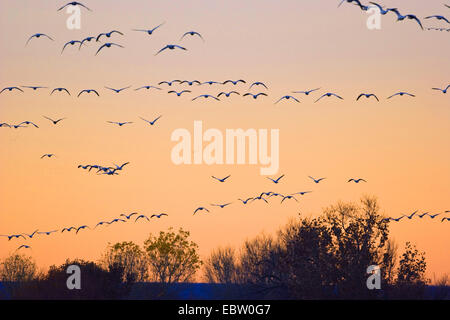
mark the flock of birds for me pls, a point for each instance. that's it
(182, 91)
(400, 17)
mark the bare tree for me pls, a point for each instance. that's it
(220, 267)
(18, 268)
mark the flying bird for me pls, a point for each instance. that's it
(48, 155)
(147, 87)
(246, 200)
(367, 95)
(288, 197)
(149, 31)
(55, 122)
(398, 219)
(101, 223)
(60, 90)
(411, 215)
(151, 122)
(401, 17)
(142, 217)
(316, 180)
(120, 124)
(445, 218)
(159, 215)
(192, 33)
(48, 232)
(200, 209)
(211, 82)
(108, 45)
(74, 3)
(255, 95)
(68, 229)
(223, 179)
(438, 18)
(88, 91)
(117, 90)
(17, 236)
(23, 246)
(221, 205)
(356, 180)
(287, 98)
(306, 92)
(179, 93)
(205, 96)
(258, 83)
(11, 89)
(128, 216)
(28, 123)
(443, 90)
(234, 82)
(72, 42)
(108, 34)
(329, 94)
(276, 180)
(169, 83)
(37, 36)
(170, 47)
(34, 87)
(401, 93)
(432, 216)
(302, 193)
(382, 11)
(81, 228)
(31, 235)
(190, 83)
(227, 94)
(87, 39)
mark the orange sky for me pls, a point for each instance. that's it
(400, 145)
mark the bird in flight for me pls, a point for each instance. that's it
(117, 90)
(81, 228)
(60, 90)
(445, 218)
(200, 209)
(48, 155)
(438, 18)
(211, 82)
(28, 123)
(120, 124)
(234, 82)
(149, 31)
(432, 216)
(34, 87)
(108, 34)
(171, 47)
(397, 219)
(17, 236)
(227, 94)
(72, 42)
(190, 83)
(101, 223)
(119, 168)
(147, 87)
(37, 36)
(382, 11)
(302, 193)
(422, 215)
(87, 39)
(367, 95)
(68, 229)
(55, 122)
(246, 200)
(356, 180)
(401, 17)
(88, 91)
(128, 216)
(329, 94)
(255, 95)
(401, 93)
(287, 98)
(23, 246)
(48, 232)
(151, 122)
(258, 83)
(31, 235)
(306, 92)
(316, 180)
(411, 215)
(11, 89)
(108, 45)
(178, 93)
(221, 180)
(276, 180)
(205, 96)
(288, 197)
(142, 217)
(158, 215)
(221, 205)
(192, 33)
(443, 90)
(169, 83)
(74, 3)
(116, 220)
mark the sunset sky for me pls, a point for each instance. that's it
(400, 146)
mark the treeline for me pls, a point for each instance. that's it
(310, 258)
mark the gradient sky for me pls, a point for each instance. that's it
(400, 146)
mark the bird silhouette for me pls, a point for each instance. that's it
(276, 181)
(356, 180)
(12, 236)
(88, 91)
(381, 10)
(179, 93)
(48, 155)
(142, 217)
(302, 193)
(227, 94)
(192, 33)
(128, 216)
(48, 232)
(401, 93)
(288, 197)
(151, 122)
(87, 39)
(287, 98)
(149, 31)
(443, 90)
(190, 83)
(34, 87)
(101, 223)
(72, 42)
(23, 246)
(221, 205)
(170, 47)
(108, 34)
(411, 215)
(108, 45)
(121, 166)
(200, 209)
(246, 200)
(11, 89)
(437, 17)
(60, 90)
(169, 83)
(37, 36)
(401, 17)
(117, 90)
(28, 123)
(432, 216)
(255, 96)
(81, 228)
(158, 215)
(205, 96)
(316, 180)
(445, 218)
(367, 95)
(147, 87)
(210, 82)
(223, 179)
(329, 94)
(55, 122)
(306, 92)
(397, 219)
(234, 82)
(258, 83)
(74, 3)
(120, 124)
